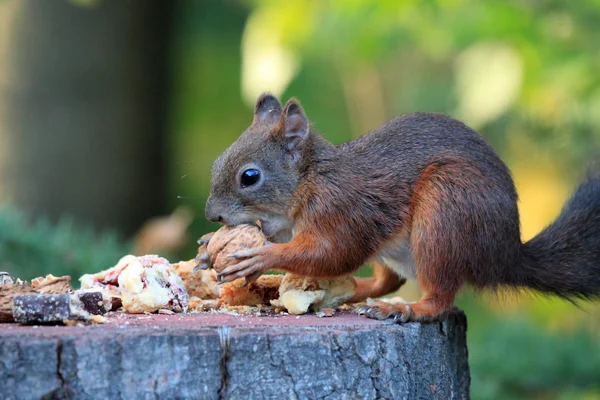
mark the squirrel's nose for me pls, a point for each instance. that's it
(212, 212)
(214, 218)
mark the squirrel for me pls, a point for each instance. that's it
(422, 197)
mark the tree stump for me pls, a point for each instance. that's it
(211, 356)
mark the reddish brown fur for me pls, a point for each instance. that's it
(384, 281)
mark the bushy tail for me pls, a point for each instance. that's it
(564, 259)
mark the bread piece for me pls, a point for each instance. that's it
(201, 284)
(298, 294)
(261, 291)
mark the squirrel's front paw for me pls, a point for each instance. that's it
(251, 264)
(202, 260)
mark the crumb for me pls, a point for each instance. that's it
(98, 319)
(347, 307)
(325, 312)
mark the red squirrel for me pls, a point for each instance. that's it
(423, 197)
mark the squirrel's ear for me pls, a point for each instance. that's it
(293, 127)
(267, 108)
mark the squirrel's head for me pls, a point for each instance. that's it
(256, 177)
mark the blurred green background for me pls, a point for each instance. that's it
(112, 112)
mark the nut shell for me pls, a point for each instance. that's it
(7, 293)
(230, 239)
(52, 284)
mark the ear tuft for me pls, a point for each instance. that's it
(267, 108)
(294, 127)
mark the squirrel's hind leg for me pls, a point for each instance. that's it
(384, 281)
(447, 206)
(435, 303)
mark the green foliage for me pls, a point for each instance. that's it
(514, 357)
(415, 44)
(34, 247)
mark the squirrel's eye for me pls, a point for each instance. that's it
(250, 177)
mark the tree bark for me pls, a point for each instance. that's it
(211, 356)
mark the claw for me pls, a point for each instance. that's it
(251, 278)
(362, 310)
(238, 254)
(199, 267)
(401, 317)
(247, 253)
(373, 312)
(205, 239)
(201, 259)
(202, 262)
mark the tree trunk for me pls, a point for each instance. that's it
(82, 108)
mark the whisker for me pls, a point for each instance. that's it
(188, 197)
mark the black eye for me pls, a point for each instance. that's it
(250, 177)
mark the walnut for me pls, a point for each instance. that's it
(228, 240)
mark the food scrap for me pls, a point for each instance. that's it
(298, 293)
(201, 284)
(150, 284)
(261, 291)
(52, 284)
(143, 284)
(325, 312)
